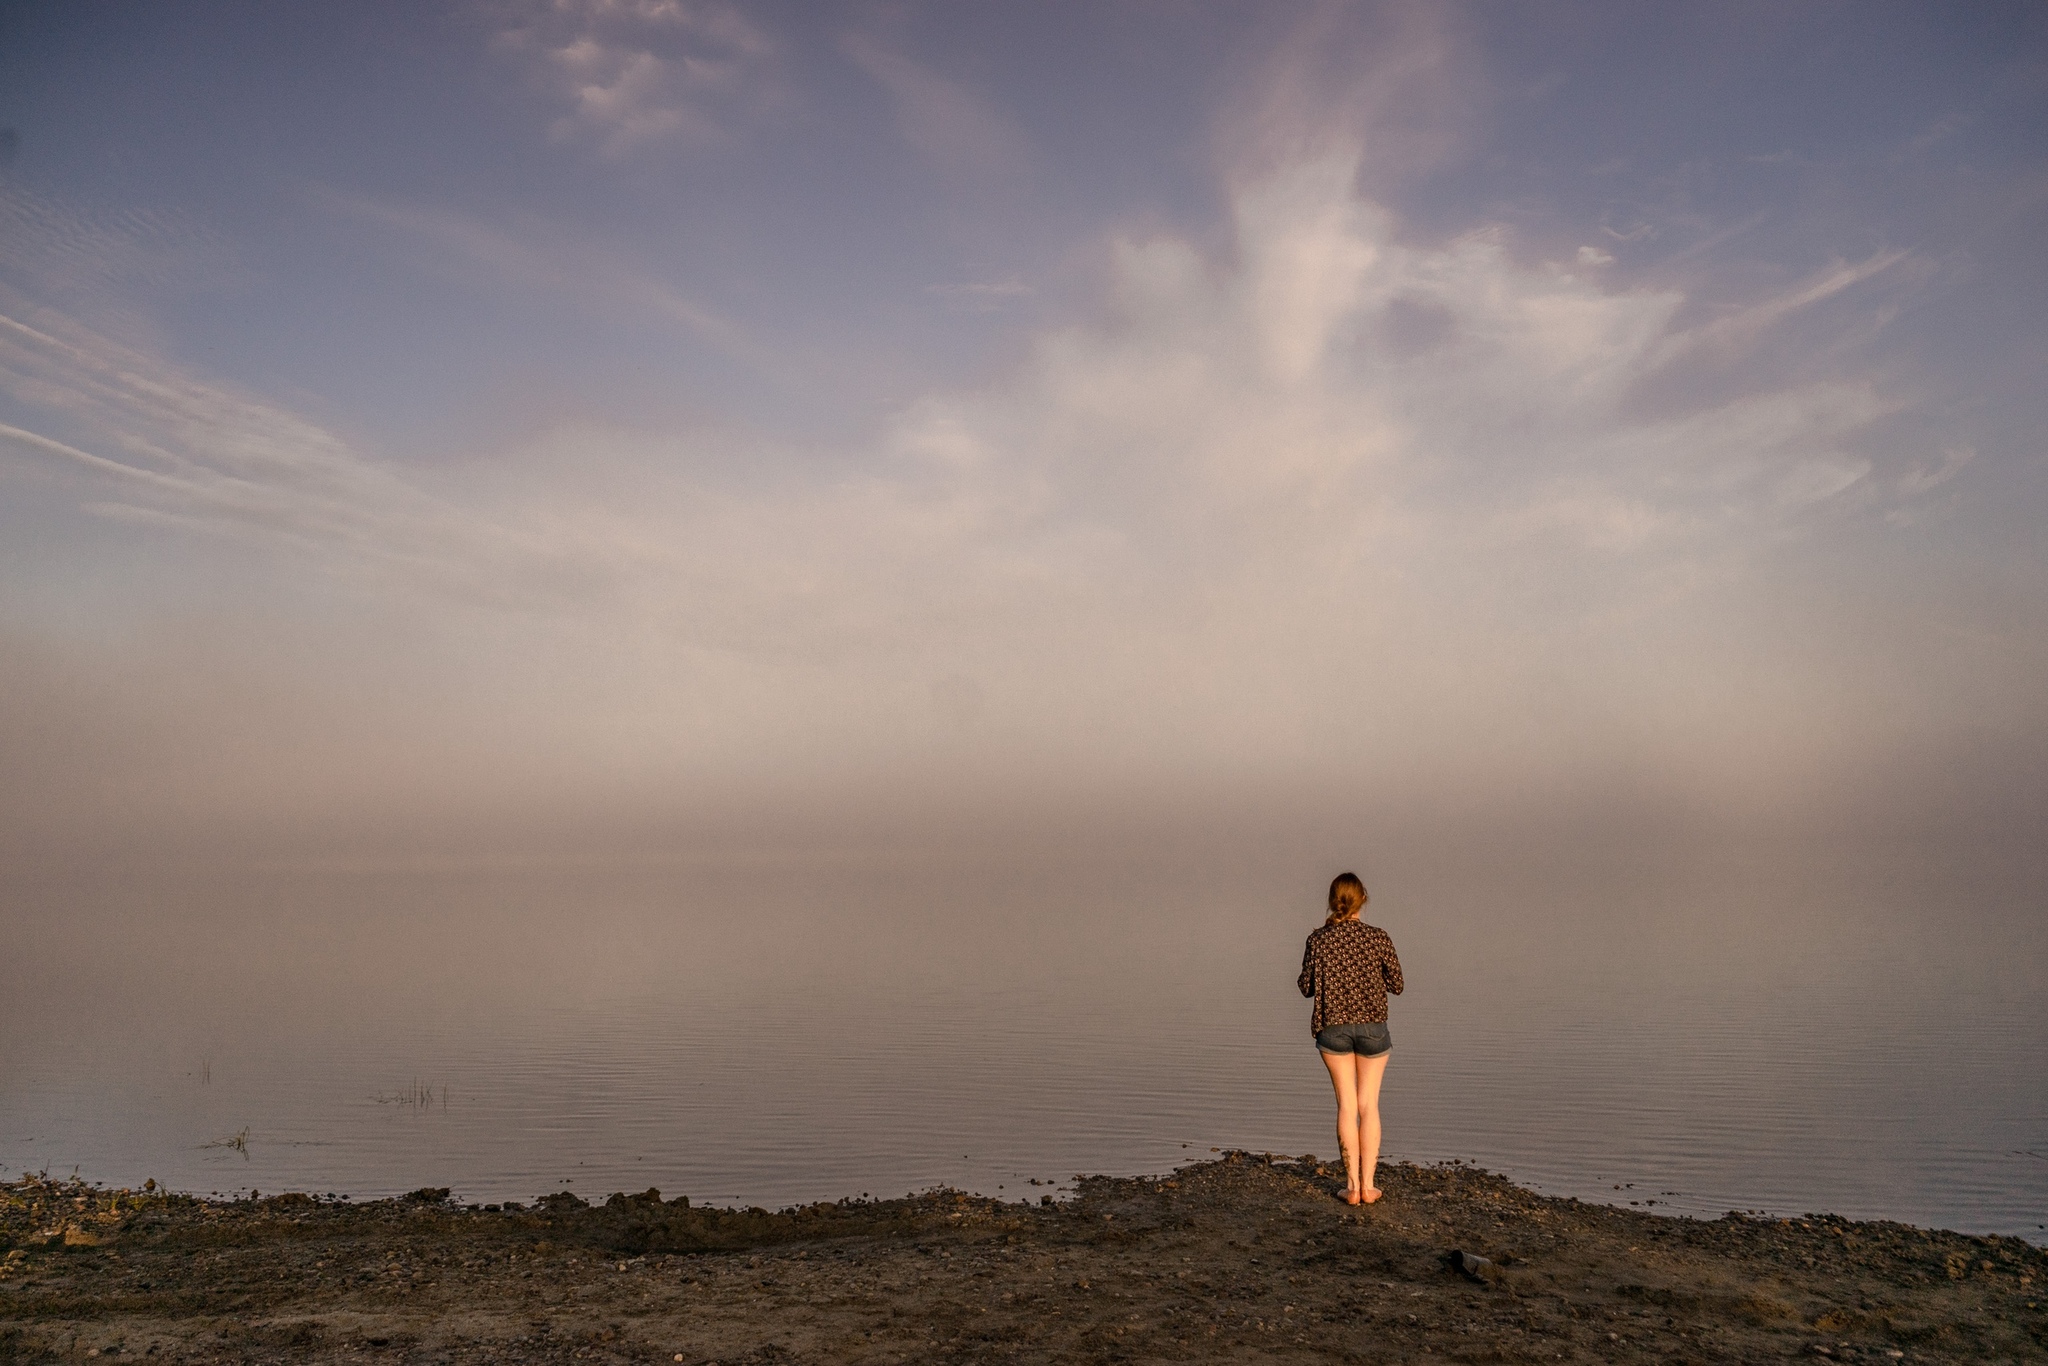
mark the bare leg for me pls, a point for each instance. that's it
(1344, 1077)
(1366, 1087)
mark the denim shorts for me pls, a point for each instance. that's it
(1366, 1040)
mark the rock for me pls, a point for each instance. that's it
(1474, 1267)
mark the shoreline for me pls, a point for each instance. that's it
(1242, 1254)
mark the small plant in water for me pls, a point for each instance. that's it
(419, 1097)
(240, 1143)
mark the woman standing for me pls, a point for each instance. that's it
(1350, 968)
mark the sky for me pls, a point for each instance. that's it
(608, 428)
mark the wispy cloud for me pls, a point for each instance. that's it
(1399, 80)
(177, 450)
(1940, 131)
(951, 125)
(1924, 476)
(575, 270)
(1742, 326)
(66, 248)
(637, 73)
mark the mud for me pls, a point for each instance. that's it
(1245, 1257)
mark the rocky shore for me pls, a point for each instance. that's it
(1248, 1256)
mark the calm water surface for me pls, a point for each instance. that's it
(506, 1035)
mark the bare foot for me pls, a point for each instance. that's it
(1351, 1197)
(1371, 1194)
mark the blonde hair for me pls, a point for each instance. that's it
(1347, 896)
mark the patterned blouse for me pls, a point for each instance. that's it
(1349, 967)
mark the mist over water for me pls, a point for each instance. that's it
(1710, 1032)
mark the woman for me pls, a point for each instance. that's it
(1350, 967)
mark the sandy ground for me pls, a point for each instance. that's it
(1247, 1257)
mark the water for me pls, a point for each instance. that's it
(506, 1034)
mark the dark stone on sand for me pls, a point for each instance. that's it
(1474, 1267)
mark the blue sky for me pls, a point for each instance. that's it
(423, 414)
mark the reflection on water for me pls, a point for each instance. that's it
(369, 1036)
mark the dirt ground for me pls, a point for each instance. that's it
(1245, 1257)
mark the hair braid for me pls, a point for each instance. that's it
(1347, 897)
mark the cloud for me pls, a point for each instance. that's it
(1330, 373)
(178, 451)
(950, 125)
(1229, 415)
(1816, 481)
(1737, 330)
(1940, 131)
(1922, 478)
(1328, 492)
(67, 249)
(573, 269)
(637, 73)
(1398, 81)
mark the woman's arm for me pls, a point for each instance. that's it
(1390, 967)
(1307, 980)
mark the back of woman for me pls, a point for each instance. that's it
(1350, 969)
